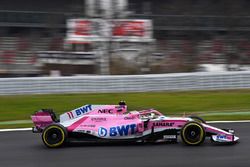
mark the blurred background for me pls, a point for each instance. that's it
(193, 46)
(75, 37)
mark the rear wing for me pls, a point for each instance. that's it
(42, 119)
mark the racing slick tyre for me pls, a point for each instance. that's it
(198, 119)
(193, 134)
(54, 136)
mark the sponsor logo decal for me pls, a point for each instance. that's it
(105, 111)
(83, 110)
(221, 137)
(122, 130)
(129, 118)
(98, 119)
(102, 132)
(169, 137)
(163, 123)
(85, 131)
(88, 126)
(70, 114)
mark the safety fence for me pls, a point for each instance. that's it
(126, 83)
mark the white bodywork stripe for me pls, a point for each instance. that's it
(27, 129)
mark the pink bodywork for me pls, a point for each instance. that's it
(41, 119)
(113, 121)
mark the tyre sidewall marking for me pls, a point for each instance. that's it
(56, 144)
(201, 135)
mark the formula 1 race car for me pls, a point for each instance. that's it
(110, 123)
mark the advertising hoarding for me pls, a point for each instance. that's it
(93, 30)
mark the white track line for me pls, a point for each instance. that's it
(29, 129)
(18, 129)
(239, 121)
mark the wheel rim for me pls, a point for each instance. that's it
(193, 134)
(53, 136)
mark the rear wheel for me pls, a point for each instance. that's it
(193, 134)
(54, 136)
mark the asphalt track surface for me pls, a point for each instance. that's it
(25, 149)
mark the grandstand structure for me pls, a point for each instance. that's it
(186, 32)
(28, 27)
(193, 32)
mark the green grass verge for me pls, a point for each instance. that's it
(20, 107)
(12, 126)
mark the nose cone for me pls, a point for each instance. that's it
(236, 138)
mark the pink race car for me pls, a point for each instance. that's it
(110, 123)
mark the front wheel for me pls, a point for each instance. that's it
(54, 136)
(193, 134)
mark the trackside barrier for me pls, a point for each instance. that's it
(126, 83)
